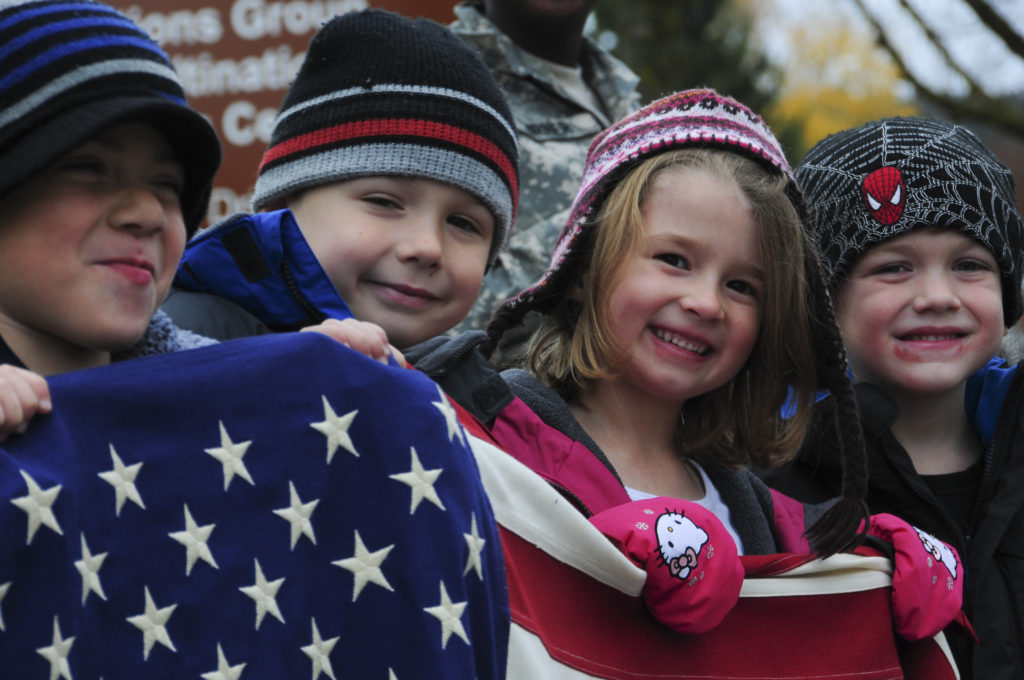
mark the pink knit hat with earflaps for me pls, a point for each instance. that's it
(692, 118)
(706, 119)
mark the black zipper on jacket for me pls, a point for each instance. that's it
(455, 357)
(314, 314)
(572, 498)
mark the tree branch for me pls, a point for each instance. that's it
(998, 25)
(978, 105)
(937, 43)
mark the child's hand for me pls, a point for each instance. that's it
(694, 573)
(23, 394)
(362, 336)
(927, 580)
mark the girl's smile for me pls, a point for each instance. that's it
(683, 341)
(686, 308)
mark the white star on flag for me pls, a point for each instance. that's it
(38, 506)
(225, 671)
(421, 482)
(365, 566)
(57, 653)
(319, 652)
(336, 430)
(122, 478)
(264, 593)
(4, 587)
(449, 614)
(476, 547)
(89, 568)
(230, 456)
(194, 538)
(298, 515)
(451, 418)
(153, 624)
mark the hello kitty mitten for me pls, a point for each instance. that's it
(927, 580)
(693, 569)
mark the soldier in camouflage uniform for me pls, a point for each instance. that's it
(556, 124)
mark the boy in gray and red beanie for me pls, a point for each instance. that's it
(391, 184)
(919, 230)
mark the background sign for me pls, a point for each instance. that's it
(237, 59)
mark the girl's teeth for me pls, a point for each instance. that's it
(931, 338)
(680, 342)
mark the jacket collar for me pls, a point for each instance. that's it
(7, 355)
(878, 411)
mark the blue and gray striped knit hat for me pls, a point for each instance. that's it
(70, 69)
(382, 94)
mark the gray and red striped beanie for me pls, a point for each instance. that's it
(871, 183)
(68, 70)
(379, 94)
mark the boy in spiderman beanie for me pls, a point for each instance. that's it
(919, 230)
(391, 181)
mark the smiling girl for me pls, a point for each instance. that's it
(679, 310)
(682, 310)
(685, 330)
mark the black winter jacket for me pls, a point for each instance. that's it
(992, 548)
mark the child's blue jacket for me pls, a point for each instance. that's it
(264, 273)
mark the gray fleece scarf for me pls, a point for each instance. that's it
(163, 336)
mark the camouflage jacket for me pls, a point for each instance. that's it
(555, 131)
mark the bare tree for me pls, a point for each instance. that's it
(977, 104)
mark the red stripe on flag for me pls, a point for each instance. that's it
(368, 129)
(603, 632)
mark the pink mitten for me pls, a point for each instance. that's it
(694, 573)
(927, 580)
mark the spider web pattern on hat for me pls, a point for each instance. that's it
(883, 179)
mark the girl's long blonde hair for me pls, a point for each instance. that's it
(742, 421)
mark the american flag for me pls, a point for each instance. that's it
(578, 614)
(275, 507)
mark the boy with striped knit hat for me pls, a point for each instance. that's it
(104, 173)
(390, 185)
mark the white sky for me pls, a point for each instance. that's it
(968, 41)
